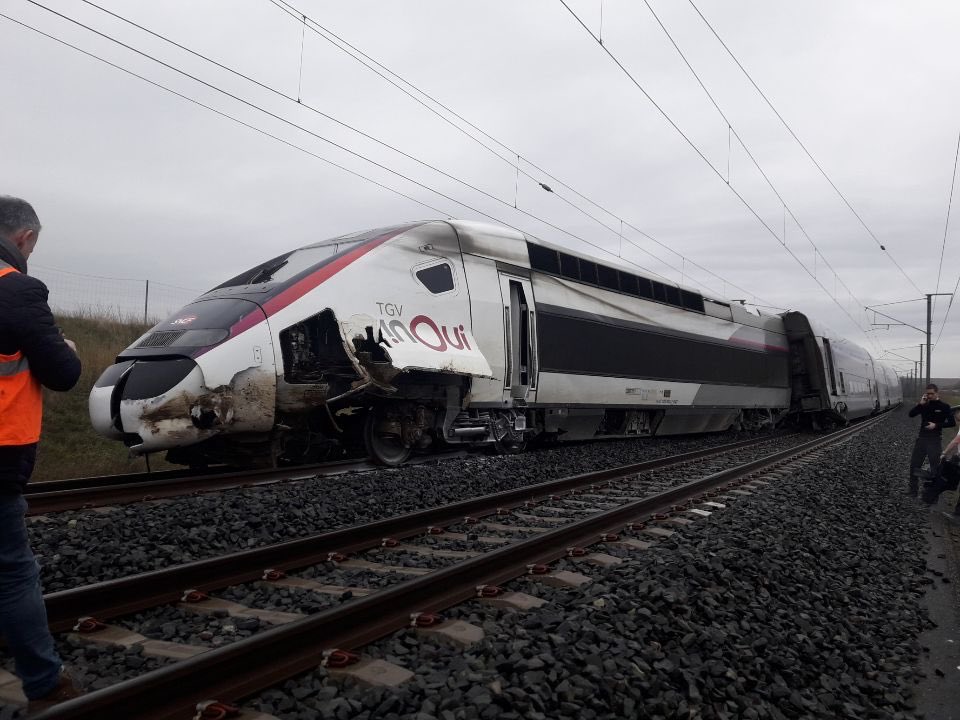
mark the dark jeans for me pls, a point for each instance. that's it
(23, 617)
(925, 447)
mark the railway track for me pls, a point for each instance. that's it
(520, 532)
(80, 493)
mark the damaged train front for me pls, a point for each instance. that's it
(200, 384)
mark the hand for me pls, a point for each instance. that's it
(71, 344)
(931, 426)
(923, 400)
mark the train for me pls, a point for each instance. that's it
(446, 333)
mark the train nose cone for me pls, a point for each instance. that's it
(155, 403)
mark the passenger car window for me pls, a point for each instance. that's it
(436, 278)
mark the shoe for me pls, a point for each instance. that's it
(65, 689)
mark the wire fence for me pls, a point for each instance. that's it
(121, 298)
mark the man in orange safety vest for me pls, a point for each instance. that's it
(33, 354)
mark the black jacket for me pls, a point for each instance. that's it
(27, 326)
(935, 411)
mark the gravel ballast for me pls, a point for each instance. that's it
(800, 601)
(83, 547)
(803, 600)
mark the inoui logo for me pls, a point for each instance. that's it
(425, 331)
(184, 320)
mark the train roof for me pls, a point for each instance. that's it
(509, 246)
(487, 240)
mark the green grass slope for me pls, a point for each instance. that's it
(68, 445)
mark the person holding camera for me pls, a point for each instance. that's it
(950, 466)
(33, 355)
(934, 416)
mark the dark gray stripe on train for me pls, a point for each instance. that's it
(742, 333)
(594, 347)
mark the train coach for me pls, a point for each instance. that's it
(444, 333)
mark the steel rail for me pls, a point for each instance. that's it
(80, 493)
(239, 670)
(111, 598)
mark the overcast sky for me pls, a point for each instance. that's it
(133, 181)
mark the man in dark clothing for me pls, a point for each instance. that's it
(934, 416)
(33, 353)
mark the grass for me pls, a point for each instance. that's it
(68, 445)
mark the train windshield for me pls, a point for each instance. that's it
(271, 276)
(283, 267)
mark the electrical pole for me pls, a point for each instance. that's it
(929, 298)
(920, 374)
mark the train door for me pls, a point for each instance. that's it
(520, 339)
(828, 352)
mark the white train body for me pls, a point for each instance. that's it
(460, 332)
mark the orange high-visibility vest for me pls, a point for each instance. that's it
(21, 398)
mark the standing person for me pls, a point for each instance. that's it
(934, 416)
(949, 465)
(33, 353)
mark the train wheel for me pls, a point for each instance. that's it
(506, 439)
(383, 439)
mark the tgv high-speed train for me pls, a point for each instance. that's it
(448, 333)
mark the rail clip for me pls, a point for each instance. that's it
(609, 537)
(272, 575)
(194, 596)
(336, 557)
(389, 542)
(215, 710)
(634, 526)
(338, 658)
(88, 624)
(425, 620)
(488, 591)
(537, 569)
(576, 552)
(434, 530)
(467, 520)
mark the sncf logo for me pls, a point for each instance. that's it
(424, 331)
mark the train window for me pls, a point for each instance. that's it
(645, 288)
(607, 277)
(569, 266)
(659, 291)
(673, 295)
(843, 387)
(628, 283)
(543, 259)
(692, 301)
(588, 272)
(436, 278)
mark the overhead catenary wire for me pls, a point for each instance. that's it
(719, 174)
(294, 145)
(366, 135)
(335, 144)
(956, 287)
(217, 112)
(946, 228)
(731, 129)
(804, 147)
(402, 84)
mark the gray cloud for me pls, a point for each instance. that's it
(131, 181)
